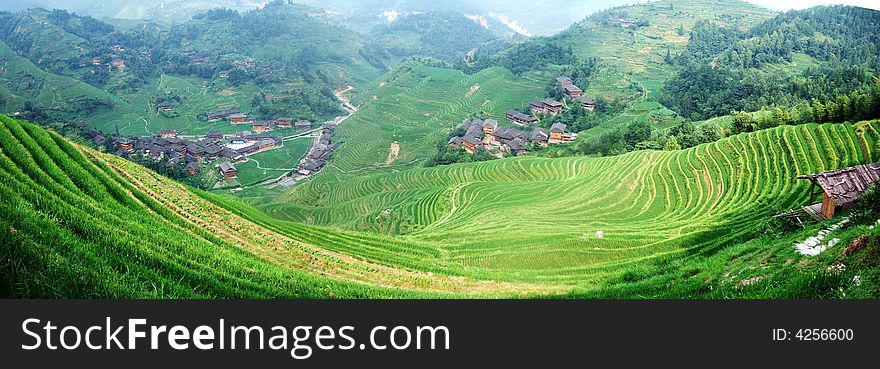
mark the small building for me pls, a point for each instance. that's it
(540, 136)
(471, 144)
(489, 126)
(537, 107)
(454, 142)
(262, 126)
(228, 170)
(213, 152)
(96, 61)
(168, 133)
(124, 144)
(520, 118)
(117, 48)
(118, 63)
(841, 189)
(302, 125)
(586, 103)
(238, 118)
(557, 130)
(572, 91)
(224, 74)
(165, 106)
(284, 122)
(552, 106)
(516, 147)
(193, 168)
(214, 135)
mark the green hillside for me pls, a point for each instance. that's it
(416, 106)
(85, 224)
(447, 36)
(818, 54)
(78, 223)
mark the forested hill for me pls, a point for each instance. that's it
(279, 50)
(444, 35)
(820, 53)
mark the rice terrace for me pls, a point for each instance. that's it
(671, 149)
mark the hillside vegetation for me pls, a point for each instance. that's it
(817, 54)
(78, 223)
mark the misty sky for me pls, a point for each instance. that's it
(801, 4)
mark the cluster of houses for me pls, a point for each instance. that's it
(552, 107)
(213, 146)
(320, 153)
(236, 117)
(487, 135)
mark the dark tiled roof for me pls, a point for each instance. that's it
(846, 185)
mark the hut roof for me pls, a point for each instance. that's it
(846, 185)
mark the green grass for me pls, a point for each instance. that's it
(527, 219)
(634, 69)
(416, 107)
(273, 163)
(677, 224)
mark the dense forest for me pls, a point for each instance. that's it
(820, 53)
(447, 36)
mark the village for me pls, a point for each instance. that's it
(487, 135)
(224, 151)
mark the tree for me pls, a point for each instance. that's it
(742, 122)
(637, 132)
(820, 114)
(671, 144)
(681, 30)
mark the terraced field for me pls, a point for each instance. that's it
(535, 219)
(416, 106)
(78, 223)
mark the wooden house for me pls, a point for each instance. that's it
(214, 135)
(193, 168)
(586, 103)
(552, 107)
(165, 106)
(118, 63)
(302, 125)
(540, 136)
(537, 107)
(841, 189)
(284, 122)
(471, 144)
(557, 131)
(168, 133)
(489, 126)
(572, 91)
(520, 119)
(238, 118)
(124, 144)
(228, 170)
(562, 81)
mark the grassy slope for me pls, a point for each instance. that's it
(536, 219)
(635, 70)
(416, 107)
(77, 223)
(21, 81)
(85, 224)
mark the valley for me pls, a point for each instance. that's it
(293, 152)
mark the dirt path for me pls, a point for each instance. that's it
(393, 153)
(454, 205)
(473, 89)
